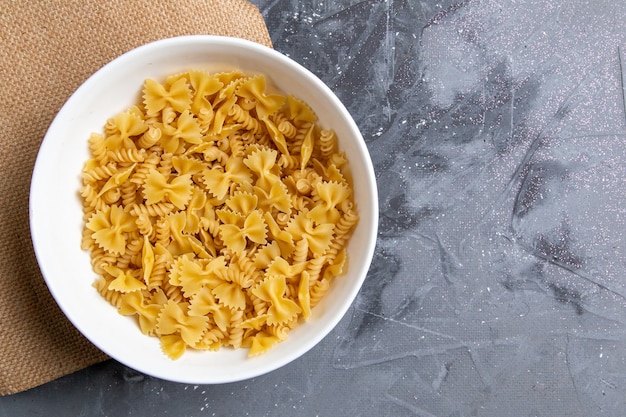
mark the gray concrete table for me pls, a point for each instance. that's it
(498, 287)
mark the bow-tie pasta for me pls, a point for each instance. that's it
(216, 213)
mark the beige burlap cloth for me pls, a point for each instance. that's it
(47, 49)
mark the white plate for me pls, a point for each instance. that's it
(56, 209)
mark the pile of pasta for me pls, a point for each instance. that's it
(216, 211)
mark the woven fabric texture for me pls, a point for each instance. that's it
(47, 49)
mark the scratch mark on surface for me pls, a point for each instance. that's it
(511, 124)
(389, 52)
(449, 262)
(270, 6)
(569, 370)
(608, 384)
(441, 376)
(620, 56)
(411, 326)
(538, 141)
(577, 272)
(484, 375)
(440, 16)
(419, 412)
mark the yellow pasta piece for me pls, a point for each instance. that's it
(277, 197)
(330, 194)
(231, 295)
(262, 162)
(272, 290)
(306, 149)
(304, 295)
(134, 304)
(186, 129)
(261, 342)
(185, 165)
(242, 203)
(147, 259)
(277, 137)
(194, 208)
(109, 226)
(204, 85)
(173, 346)
(266, 254)
(117, 179)
(282, 238)
(203, 302)
(219, 182)
(299, 112)
(266, 104)
(173, 319)
(157, 188)
(126, 125)
(280, 266)
(192, 276)
(157, 97)
(318, 237)
(254, 230)
(124, 280)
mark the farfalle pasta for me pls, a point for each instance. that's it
(216, 212)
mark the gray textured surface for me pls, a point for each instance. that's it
(498, 288)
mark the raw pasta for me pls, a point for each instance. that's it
(216, 212)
